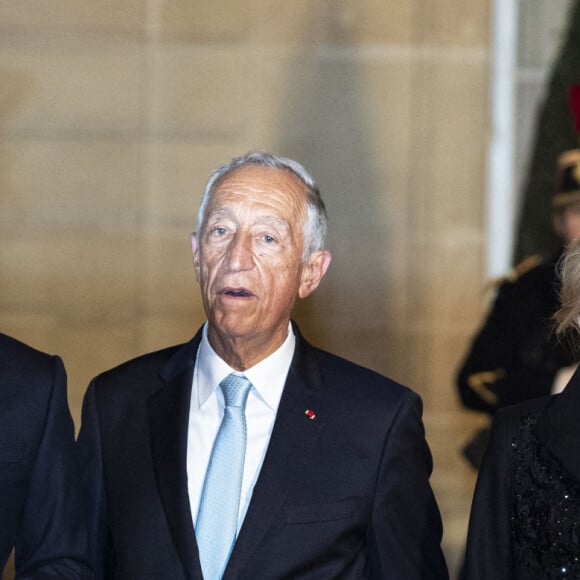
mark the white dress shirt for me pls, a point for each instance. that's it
(207, 409)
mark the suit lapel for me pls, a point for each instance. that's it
(168, 411)
(558, 429)
(293, 435)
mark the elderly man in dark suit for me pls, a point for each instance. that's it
(40, 511)
(247, 452)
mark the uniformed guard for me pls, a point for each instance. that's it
(515, 355)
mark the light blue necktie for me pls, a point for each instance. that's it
(217, 519)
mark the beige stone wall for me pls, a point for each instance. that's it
(113, 114)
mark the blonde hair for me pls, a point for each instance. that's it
(569, 268)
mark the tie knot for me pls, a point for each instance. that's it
(235, 389)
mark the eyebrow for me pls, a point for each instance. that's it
(274, 220)
(267, 219)
(222, 211)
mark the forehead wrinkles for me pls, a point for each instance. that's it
(225, 212)
(279, 189)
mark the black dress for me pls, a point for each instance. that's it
(525, 518)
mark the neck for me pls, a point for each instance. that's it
(242, 352)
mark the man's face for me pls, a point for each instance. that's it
(248, 256)
(567, 224)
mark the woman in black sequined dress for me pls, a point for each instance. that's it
(525, 517)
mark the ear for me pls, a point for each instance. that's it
(313, 272)
(195, 254)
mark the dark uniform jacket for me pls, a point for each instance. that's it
(516, 355)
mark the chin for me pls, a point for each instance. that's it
(234, 326)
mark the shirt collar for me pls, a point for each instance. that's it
(267, 377)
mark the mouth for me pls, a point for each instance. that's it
(236, 292)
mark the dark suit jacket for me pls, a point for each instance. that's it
(525, 517)
(344, 495)
(40, 512)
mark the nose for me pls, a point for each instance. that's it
(239, 254)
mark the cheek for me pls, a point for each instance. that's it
(286, 281)
(573, 227)
(209, 261)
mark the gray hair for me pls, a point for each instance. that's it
(316, 226)
(569, 269)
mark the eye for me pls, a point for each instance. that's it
(217, 231)
(269, 239)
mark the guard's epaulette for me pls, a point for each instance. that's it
(517, 271)
(481, 383)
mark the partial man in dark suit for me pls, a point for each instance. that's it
(247, 452)
(40, 511)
